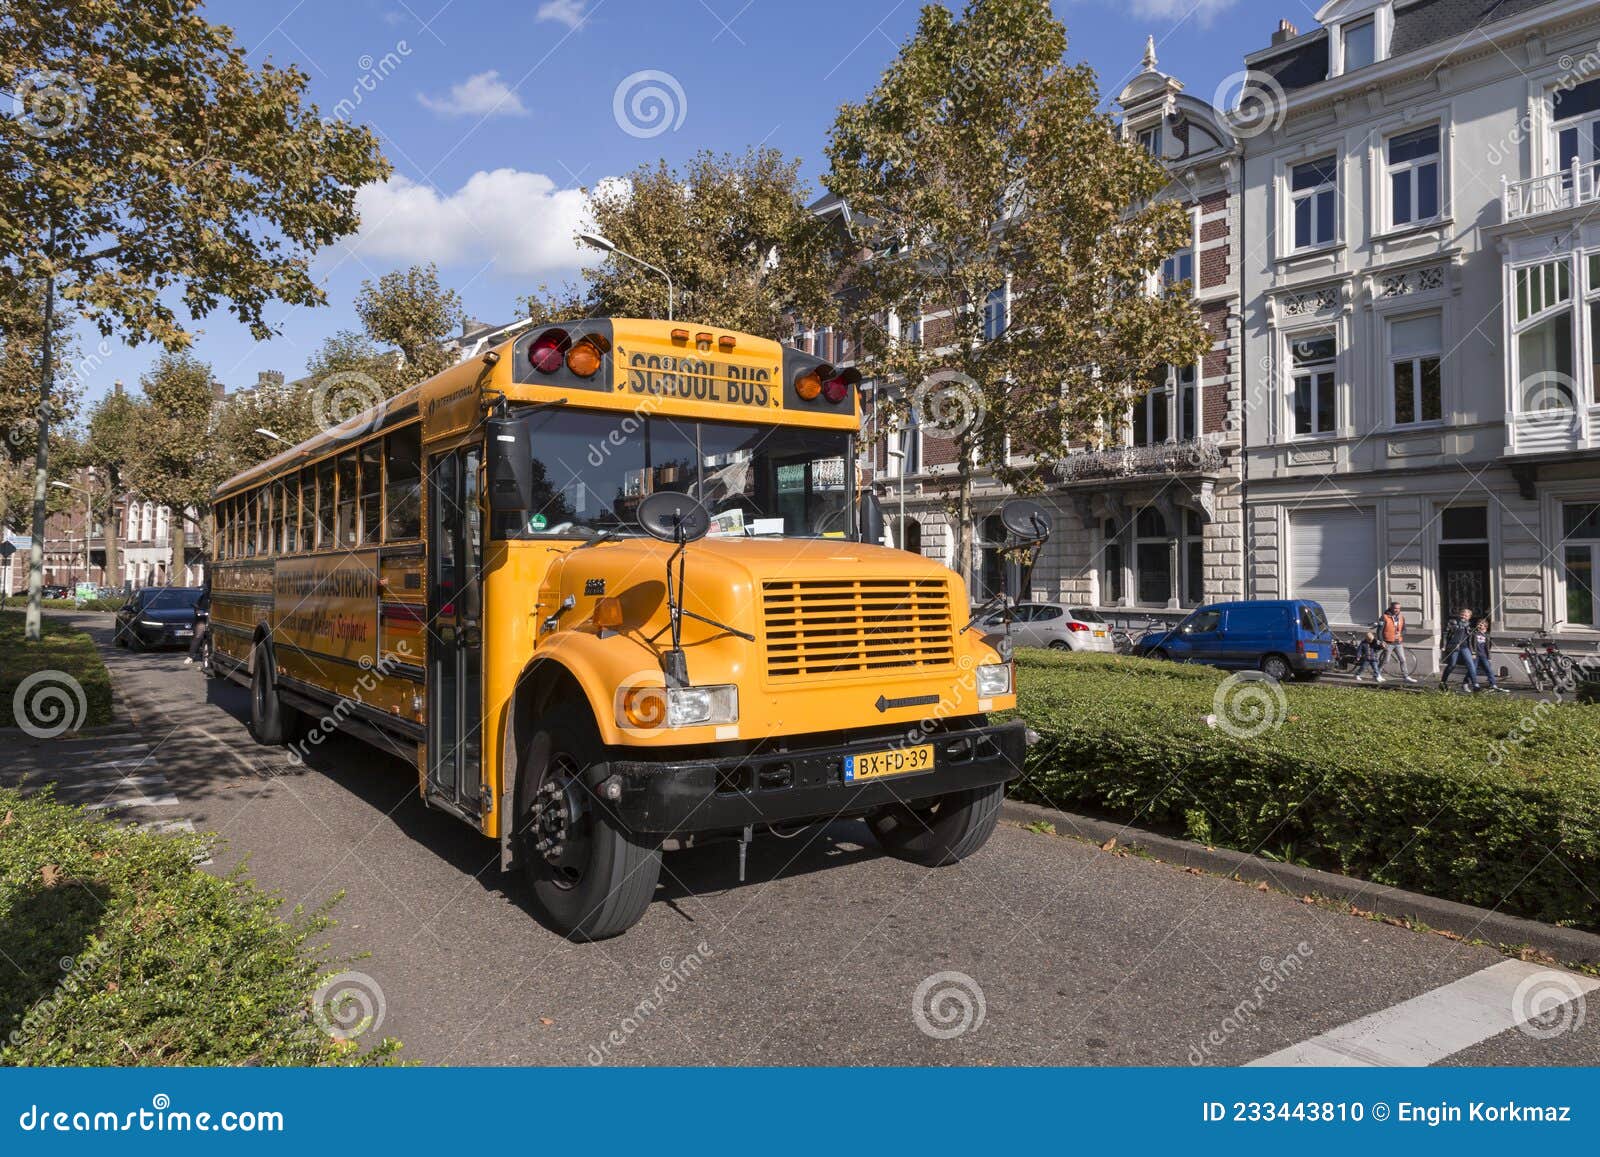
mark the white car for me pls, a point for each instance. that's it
(1055, 625)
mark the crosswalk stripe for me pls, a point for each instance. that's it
(1443, 1021)
(109, 781)
(166, 799)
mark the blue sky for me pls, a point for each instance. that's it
(496, 113)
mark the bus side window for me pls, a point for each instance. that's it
(345, 504)
(248, 520)
(286, 516)
(402, 501)
(265, 524)
(371, 491)
(308, 510)
(325, 504)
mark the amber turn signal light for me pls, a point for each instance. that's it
(584, 358)
(608, 613)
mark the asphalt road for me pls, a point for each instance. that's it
(1057, 952)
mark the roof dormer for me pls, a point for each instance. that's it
(1359, 32)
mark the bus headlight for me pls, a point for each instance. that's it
(693, 706)
(994, 679)
(649, 708)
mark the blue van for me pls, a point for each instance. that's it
(1283, 638)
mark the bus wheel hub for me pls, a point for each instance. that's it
(554, 813)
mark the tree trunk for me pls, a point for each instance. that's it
(108, 574)
(180, 547)
(34, 622)
(964, 518)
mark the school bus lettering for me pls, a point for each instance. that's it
(699, 380)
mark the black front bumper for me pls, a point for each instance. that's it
(670, 797)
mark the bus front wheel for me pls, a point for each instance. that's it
(272, 721)
(593, 878)
(944, 830)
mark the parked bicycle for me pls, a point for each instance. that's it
(1346, 647)
(1546, 667)
(1124, 639)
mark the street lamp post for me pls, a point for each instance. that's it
(605, 245)
(900, 527)
(266, 433)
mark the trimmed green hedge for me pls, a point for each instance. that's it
(1488, 800)
(122, 952)
(60, 648)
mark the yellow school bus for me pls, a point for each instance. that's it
(608, 586)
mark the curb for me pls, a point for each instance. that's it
(1564, 944)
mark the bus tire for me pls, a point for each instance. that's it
(593, 878)
(941, 831)
(272, 721)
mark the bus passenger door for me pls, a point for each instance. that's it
(455, 632)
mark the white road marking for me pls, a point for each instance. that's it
(1437, 1024)
(165, 799)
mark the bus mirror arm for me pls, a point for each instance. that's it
(675, 663)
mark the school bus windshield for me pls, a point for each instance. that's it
(591, 470)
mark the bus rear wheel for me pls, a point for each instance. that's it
(941, 831)
(593, 878)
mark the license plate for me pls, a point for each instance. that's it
(180, 632)
(1313, 654)
(1099, 634)
(896, 761)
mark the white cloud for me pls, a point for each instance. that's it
(482, 95)
(568, 12)
(1201, 11)
(522, 222)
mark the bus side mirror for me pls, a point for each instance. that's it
(509, 456)
(869, 524)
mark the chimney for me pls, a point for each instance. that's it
(116, 387)
(1286, 31)
(218, 391)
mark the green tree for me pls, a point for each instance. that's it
(981, 159)
(409, 310)
(21, 318)
(145, 165)
(110, 444)
(174, 463)
(732, 231)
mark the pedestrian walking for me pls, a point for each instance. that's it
(1368, 654)
(202, 624)
(1482, 650)
(1460, 646)
(1392, 633)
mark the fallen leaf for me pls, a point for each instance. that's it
(51, 875)
(112, 986)
(10, 818)
(1194, 871)
(1307, 900)
(1262, 887)
(1110, 845)
(546, 1020)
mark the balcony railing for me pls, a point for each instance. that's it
(1578, 184)
(1196, 456)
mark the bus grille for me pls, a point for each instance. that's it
(834, 626)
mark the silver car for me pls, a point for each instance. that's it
(1056, 625)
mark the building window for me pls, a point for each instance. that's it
(1313, 195)
(906, 443)
(1414, 177)
(1360, 44)
(1178, 269)
(1150, 141)
(1575, 114)
(1415, 345)
(1152, 416)
(994, 314)
(1311, 388)
(1194, 560)
(1186, 383)
(1114, 590)
(1152, 558)
(1541, 311)
(1580, 525)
